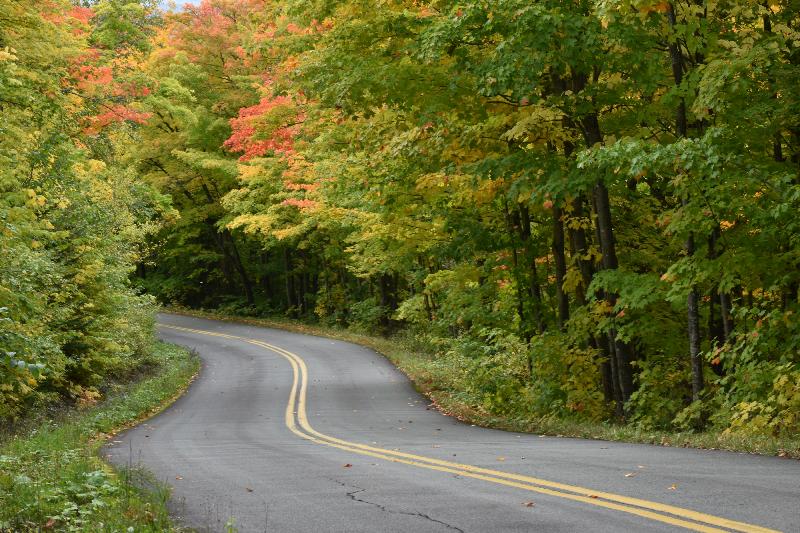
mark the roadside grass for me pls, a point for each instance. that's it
(52, 477)
(436, 382)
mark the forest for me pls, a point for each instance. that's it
(585, 210)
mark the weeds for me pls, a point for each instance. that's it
(51, 477)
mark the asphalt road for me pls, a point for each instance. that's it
(293, 433)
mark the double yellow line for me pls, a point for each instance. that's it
(297, 422)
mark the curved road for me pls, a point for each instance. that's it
(293, 433)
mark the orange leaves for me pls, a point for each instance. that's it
(300, 186)
(115, 114)
(88, 77)
(219, 28)
(256, 132)
(656, 7)
(300, 203)
(81, 14)
(75, 17)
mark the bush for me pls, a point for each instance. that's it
(565, 377)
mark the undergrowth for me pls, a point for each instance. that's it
(52, 478)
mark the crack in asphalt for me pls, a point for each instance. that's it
(352, 496)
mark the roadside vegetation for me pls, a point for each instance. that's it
(53, 478)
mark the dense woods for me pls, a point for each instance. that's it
(587, 209)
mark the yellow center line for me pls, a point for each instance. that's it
(296, 415)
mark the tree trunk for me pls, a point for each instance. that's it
(291, 304)
(725, 313)
(384, 283)
(616, 384)
(239, 267)
(535, 290)
(581, 248)
(610, 262)
(694, 345)
(524, 331)
(692, 311)
(561, 266)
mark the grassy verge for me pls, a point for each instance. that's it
(52, 478)
(435, 382)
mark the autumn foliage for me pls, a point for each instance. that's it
(254, 134)
(585, 211)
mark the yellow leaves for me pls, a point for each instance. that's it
(572, 280)
(488, 190)
(611, 81)
(537, 125)
(435, 181)
(8, 54)
(89, 168)
(603, 308)
(662, 7)
(35, 200)
(87, 397)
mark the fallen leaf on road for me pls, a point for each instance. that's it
(630, 474)
(528, 504)
(501, 458)
(673, 487)
(437, 446)
(595, 496)
(640, 466)
(248, 489)
(178, 478)
(348, 465)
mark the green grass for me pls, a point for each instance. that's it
(52, 478)
(450, 397)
